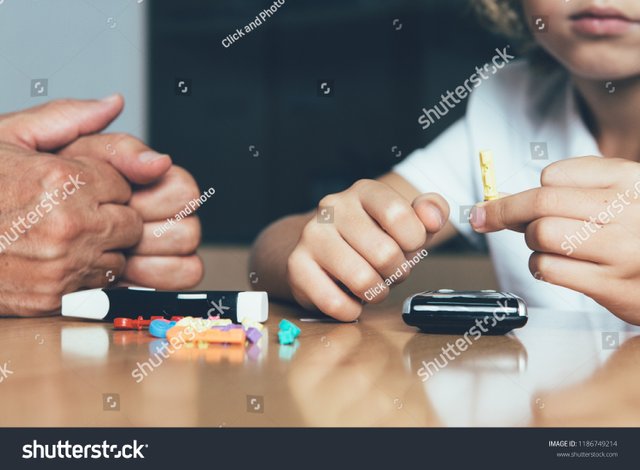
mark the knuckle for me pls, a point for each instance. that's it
(295, 265)
(362, 184)
(544, 201)
(379, 297)
(121, 138)
(301, 297)
(116, 268)
(497, 212)
(136, 219)
(119, 141)
(188, 185)
(541, 267)
(385, 256)
(57, 288)
(293, 259)
(194, 234)
(330, 200)
(197, 270)
(191, 192)
(56, 171)
(49, 302)
(312, 233)
(40, 303)
(187, 238)
(58, 103)
(55, 281)
(52, 249)
(360, 281)
(63, 226)
(119, 264)
(541, 234)
(397, 213)
(54, 276)
(298, 270)
(548, 175)
(417, 238)
(136, 224)
(335, 306)
(193, 272)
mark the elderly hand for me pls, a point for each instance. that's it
(70, 221)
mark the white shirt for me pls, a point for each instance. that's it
(505, 114)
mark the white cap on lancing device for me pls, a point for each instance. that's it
(131, 302)
(93, 304)
(252, 306)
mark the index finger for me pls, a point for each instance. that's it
(130, 156)
(396, 216)
(110, 186)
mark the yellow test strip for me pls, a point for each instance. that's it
(488, 176)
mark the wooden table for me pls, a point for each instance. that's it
(562, 369)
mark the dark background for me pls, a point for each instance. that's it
(263, 92)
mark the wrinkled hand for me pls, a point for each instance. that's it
(583, 225)
(164, 258)
(63, 222)
(93, 226)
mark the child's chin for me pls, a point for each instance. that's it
(600, 62)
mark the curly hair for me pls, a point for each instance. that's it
(507, 18)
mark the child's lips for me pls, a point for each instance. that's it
(592, 26)
(603, 22)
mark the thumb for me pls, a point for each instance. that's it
(58, 123)
(433, 210)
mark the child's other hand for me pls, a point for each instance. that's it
(583, 226)
(359, 238)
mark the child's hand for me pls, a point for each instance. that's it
(583, 226)
(359, 238)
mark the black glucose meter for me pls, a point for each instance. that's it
(447, 311)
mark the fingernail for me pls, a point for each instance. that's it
(437, 215)
(151, 156)
(478, 217)
(110, 98)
